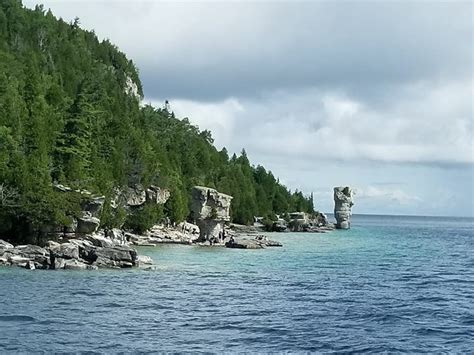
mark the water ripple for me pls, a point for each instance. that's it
(382, 287)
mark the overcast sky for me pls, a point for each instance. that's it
(373, 95)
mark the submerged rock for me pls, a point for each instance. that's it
(74, 264)
(262, 239)
(244, 244)
(144, 260)
(250, 242)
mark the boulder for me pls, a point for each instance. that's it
(244, 244)
(99, 240)
(144, 260)
(343, 202)
(117, 236)
(87, 224)
(5, 245)
(66, 251)
(109, 256)
(18, 260)
(157, 195)
(52, 245)
(30, 265)
(3, 258)
(116, 253)
(135, 196)
(131, 237)
(58, 263)
(262, 239)
(93, 205)
(74, 264)
(323, 219)
(40, 256)
(81, 242)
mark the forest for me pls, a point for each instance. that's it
(71, 113)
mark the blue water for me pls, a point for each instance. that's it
(390, 284)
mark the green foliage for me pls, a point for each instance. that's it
(144, 218)
(112, 217)
(176, 207)
(67, 116)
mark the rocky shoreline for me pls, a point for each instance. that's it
(115, 249)
(83, 246)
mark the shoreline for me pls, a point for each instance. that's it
(100, 251)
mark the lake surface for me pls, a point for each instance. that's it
(390, 284)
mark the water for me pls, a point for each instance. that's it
(390, 284)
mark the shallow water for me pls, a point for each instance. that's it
(393, 284)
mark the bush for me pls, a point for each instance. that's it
(144, 218)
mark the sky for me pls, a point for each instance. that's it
(374, 95)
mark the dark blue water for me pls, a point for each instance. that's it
(391, 284)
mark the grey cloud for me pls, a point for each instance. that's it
(353, 46)
(322, 93)
(210, 51)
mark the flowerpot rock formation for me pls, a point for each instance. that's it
(210, 209)
(343, 202)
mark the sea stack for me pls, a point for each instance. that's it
(343, 202)
(210, 209)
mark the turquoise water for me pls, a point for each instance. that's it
(390, 284)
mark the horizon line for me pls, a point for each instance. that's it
(406, 215)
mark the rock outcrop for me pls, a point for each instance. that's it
(137, 196)
(75, 254)
(258, 242)
(210, 209)
(343, 202)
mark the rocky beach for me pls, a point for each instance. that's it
(83, 246)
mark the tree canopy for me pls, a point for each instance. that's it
(70, 113)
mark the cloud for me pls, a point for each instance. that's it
(427, 124)
(218, 117)
(212, 51)
(386, 194)
(323, 93)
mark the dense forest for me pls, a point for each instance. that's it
(71, 113)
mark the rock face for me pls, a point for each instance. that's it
(76, 254)
(157, 195)
(136, 196)
(210, 209)
(343, 202)
(87, 224)
(93, 206)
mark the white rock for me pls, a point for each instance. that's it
(144, 260)
(5, 245)
(343, 202)
(74, 264)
